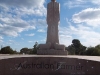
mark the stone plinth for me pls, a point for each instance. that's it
(46, 49)
(49, 65)
(51, 52)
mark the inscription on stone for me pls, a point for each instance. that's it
(42, 65)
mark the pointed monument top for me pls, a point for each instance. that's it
(53, 0)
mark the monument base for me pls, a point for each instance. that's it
(49, 65)
(52, 52)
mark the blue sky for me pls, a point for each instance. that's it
(23, 22)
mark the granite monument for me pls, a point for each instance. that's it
(52, 46)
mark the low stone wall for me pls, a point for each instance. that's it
(52, 52)
(48, 65)
(4, 54)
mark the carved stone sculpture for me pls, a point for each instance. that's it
(52, 46)
(53, 18)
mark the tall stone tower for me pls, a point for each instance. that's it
(52, 46)
(53, 18)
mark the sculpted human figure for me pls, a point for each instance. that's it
(52, 46)
(53, 18)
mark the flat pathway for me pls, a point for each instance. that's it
(94, 58)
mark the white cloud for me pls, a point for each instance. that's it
(90, 16)
(86, 35)
(36, 12)
(30, 7)
(1, 41)
(11, 42)
(32, 34)
(15, 14)
(1, 37)
(41, 30)
(66, 36)
(42, 22)
(14, 27)
(23, 3)
(75, 3)
(41, 25)
(65, 39)
(97, 2)
(22, 38)
(82, 3)
(30, 41)
(43, 40)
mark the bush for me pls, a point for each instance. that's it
(7, 50)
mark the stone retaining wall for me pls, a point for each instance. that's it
(48, 66)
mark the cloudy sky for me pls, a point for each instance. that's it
(23, 22)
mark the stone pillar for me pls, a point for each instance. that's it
(53, 18)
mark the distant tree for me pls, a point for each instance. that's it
(97, 47)
(35, 48)
(15, 52)
(79, 49)
(76, 43)
(71, 50)
(83, 49)
(96, 52)
(93, 51)
(89, 51)
(24, 50)
(7, 50)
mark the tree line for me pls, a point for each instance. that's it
(9, 50)
(76, 48)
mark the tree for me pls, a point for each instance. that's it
(96, 52)
(7, 50)
(97, 47)
(71, 50)
(35, 48)
(25, 50)
(79, 48)
(93, 51)
(15, 52)
(89, 51)
(76, 43)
